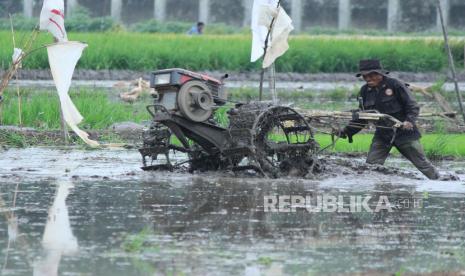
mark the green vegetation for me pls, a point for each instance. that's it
(438, 147)
(153, 26)
(20, 140)
(81, 21)
(40, 110)
(455, 145)
(12, 139)
(138, 242)
(101, 109)
(308, 54)
(266, 261)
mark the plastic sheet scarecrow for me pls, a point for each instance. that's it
(63, 56)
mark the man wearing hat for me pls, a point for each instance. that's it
(390, 96)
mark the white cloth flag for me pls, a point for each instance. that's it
(63, 58)
(280, 34)
(259, 31)
(262, 15)
(52, 19)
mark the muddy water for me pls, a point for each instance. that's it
(95, 213)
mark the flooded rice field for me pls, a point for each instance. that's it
(75, 212)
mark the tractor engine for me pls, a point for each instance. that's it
(188, 94)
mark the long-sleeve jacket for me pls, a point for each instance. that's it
(390, 97)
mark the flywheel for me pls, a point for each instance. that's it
(195, 101)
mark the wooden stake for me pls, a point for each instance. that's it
(20, 112)
(18, 93)
(451, 60)
(262, 73)
(64, 129)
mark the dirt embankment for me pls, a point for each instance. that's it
(103, 75)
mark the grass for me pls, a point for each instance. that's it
(438, 147)
(307, 54)
(19, 140)
(40, 110)
(12, 139)
(454, 145)
(138, 242)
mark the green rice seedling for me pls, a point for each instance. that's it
(307, 54)
(338, 95)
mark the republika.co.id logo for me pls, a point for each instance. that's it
(341, 204)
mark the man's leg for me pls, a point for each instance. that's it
(379, 151)
(414, 152)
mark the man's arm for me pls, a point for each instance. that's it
(355, 125)
(409, 104)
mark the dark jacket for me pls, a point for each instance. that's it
(394, 98)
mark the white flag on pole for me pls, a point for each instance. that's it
(259, 31)
(280, 34)
(52, 19)
(262, 15)
(63, 58)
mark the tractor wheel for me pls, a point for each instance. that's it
(284, 142)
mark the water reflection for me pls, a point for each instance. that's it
(58, 238)
(196, 225)
(12, 223)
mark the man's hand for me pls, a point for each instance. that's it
(343, 135)
(340, 133)
(407, 125)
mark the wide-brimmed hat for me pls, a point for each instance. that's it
(368, 66)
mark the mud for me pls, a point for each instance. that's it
(81, 212)
(47, 163)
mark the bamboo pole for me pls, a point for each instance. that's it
(27, 49)
(451, 59)
(262, 74)
(64, 129)
(18, 93)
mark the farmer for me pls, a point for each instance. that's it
(389, 96)
(197, 29)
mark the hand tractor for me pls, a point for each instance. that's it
(270, 140)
